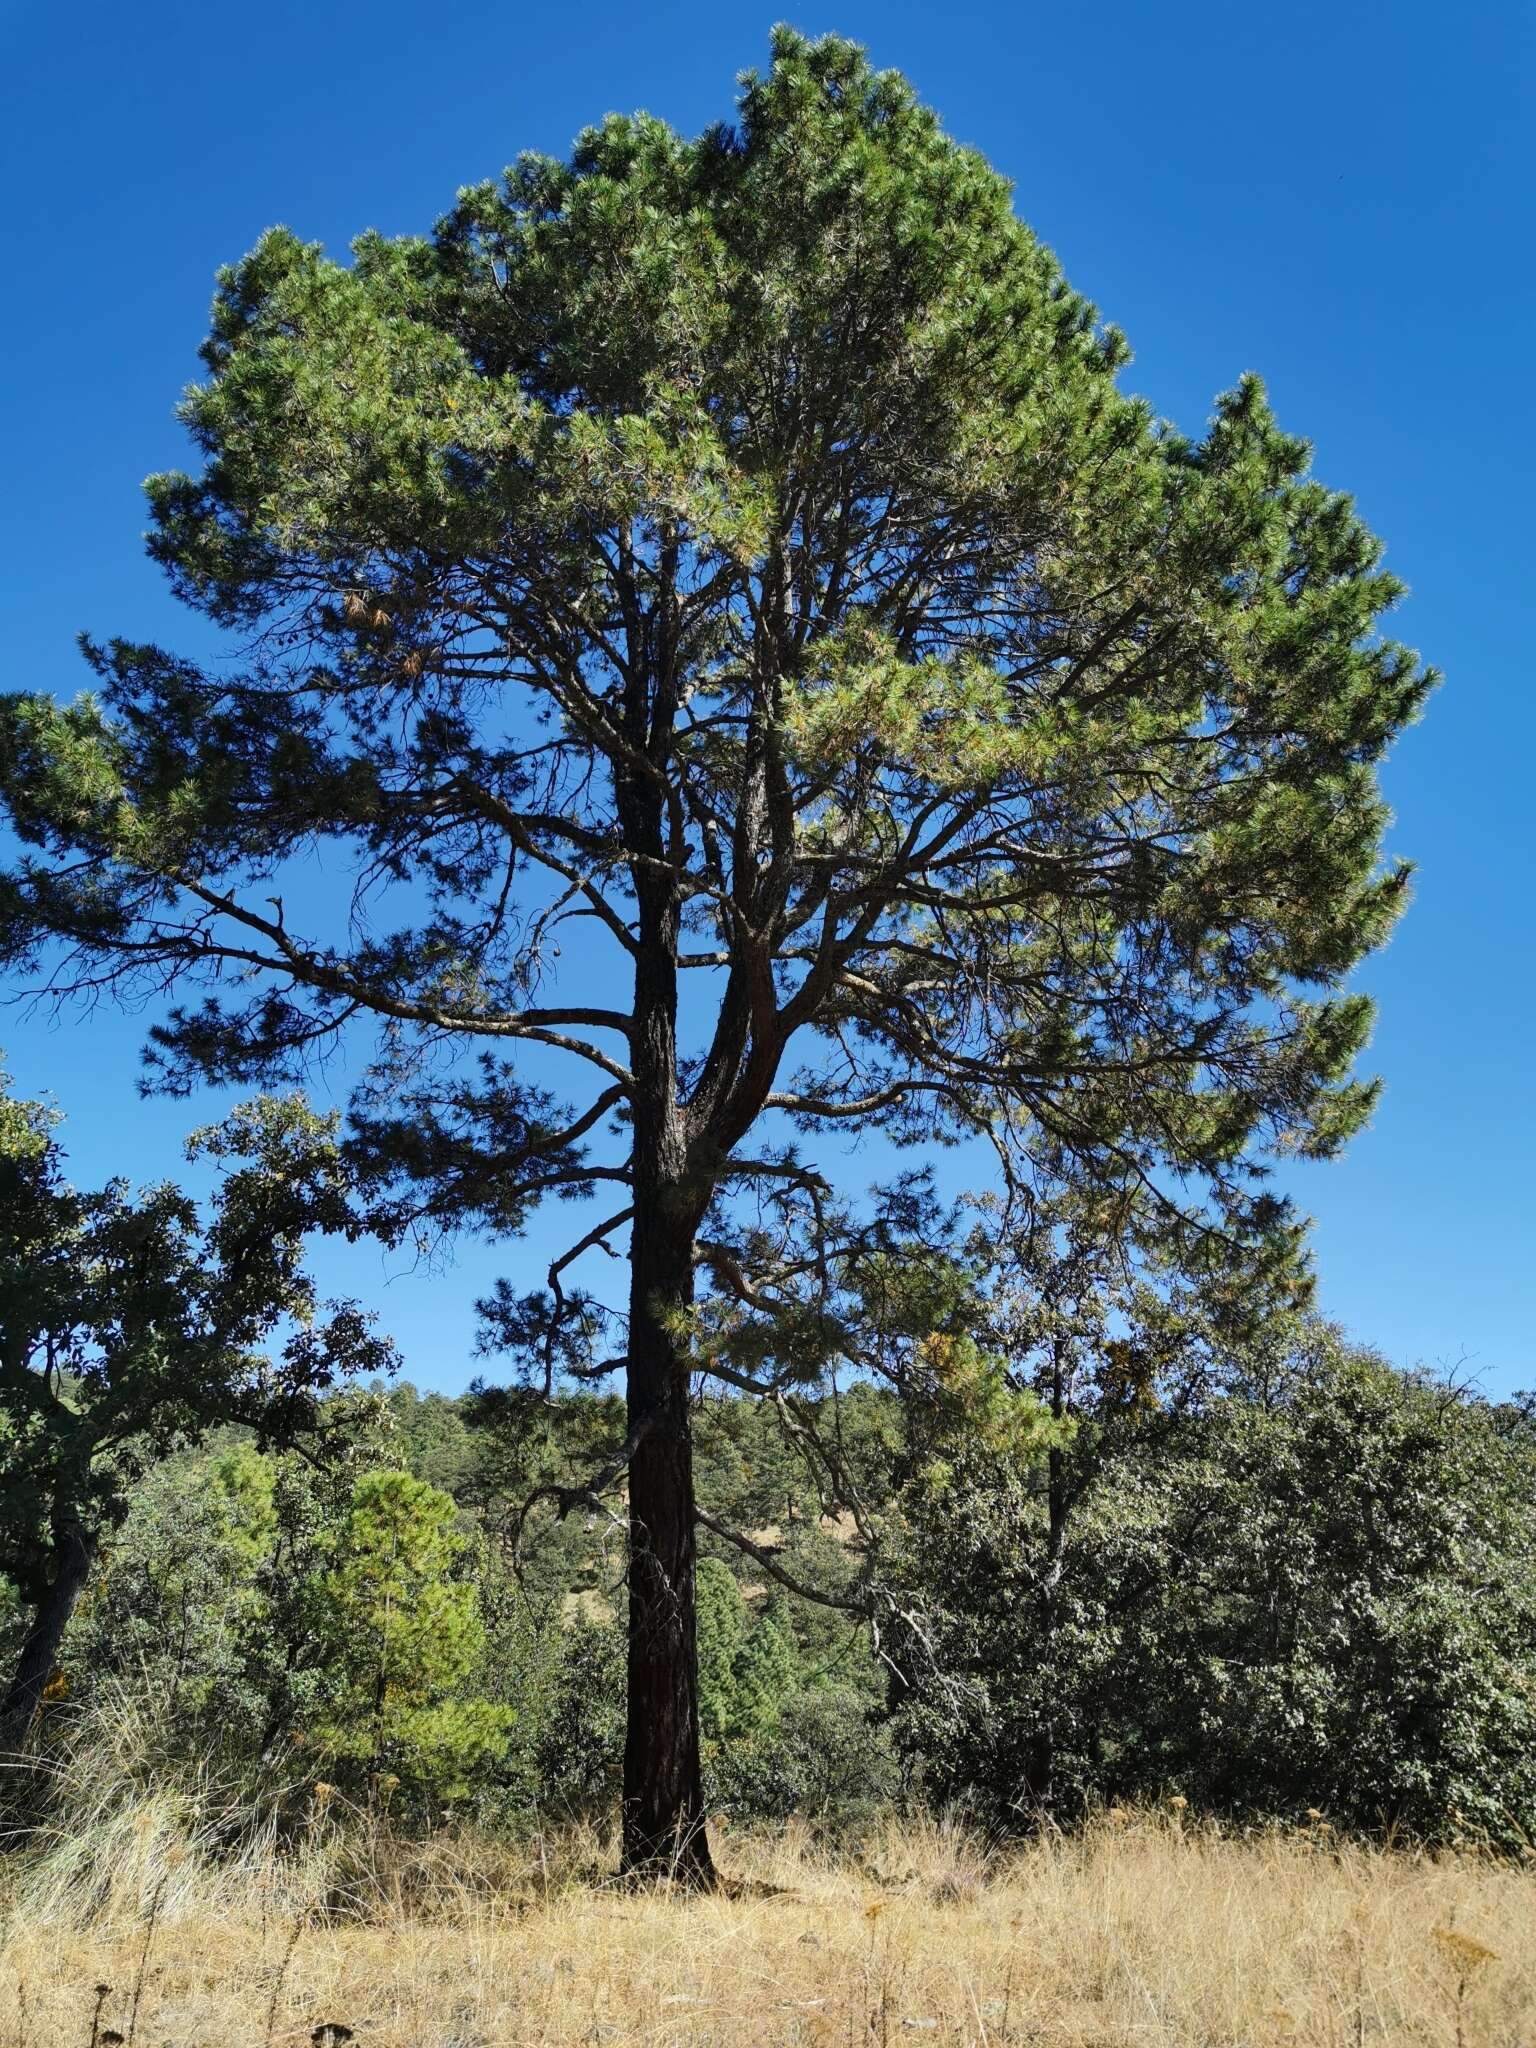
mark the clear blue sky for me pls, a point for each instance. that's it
(1337, 195)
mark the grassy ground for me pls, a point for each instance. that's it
(1139, 1932)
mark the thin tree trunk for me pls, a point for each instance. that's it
(74, 1552)
(1042, 1758)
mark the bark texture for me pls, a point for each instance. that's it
(664, 1821)
(74, 1552)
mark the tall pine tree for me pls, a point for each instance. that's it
(726, 635)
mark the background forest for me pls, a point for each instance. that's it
(1306, 1587)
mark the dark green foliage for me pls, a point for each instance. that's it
(786, 1731)
(827, 1757)
(766, 1672)
(130, 1326)
(1359, 1631)
(722, 1642)
(1314, 1586)
(747, 1664)
(580, 1752)
(305, 1507)
(1316, 1589)
(177, 1607)
(293, 1620)
(398, 1640)
(432, 1437)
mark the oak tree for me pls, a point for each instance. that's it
(131, 1326)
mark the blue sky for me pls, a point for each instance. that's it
(1339, 196)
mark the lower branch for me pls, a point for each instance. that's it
(843, 1603)
(590, 1493)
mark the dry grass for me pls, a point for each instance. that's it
(1143, 1932)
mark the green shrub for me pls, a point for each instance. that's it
(1317, 1590)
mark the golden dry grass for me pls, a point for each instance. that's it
(1141, 1933)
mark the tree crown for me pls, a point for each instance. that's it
(737, 556)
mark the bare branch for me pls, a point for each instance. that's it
(770, 1564)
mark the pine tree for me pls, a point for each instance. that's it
(731, 565)
(399, 1634)
(766, 1672)
(722, 1638)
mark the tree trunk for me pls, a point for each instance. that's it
(664, 1822)
(1040, 1766)
(74, 1552)
(1041, 1763)
(664, 1831)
